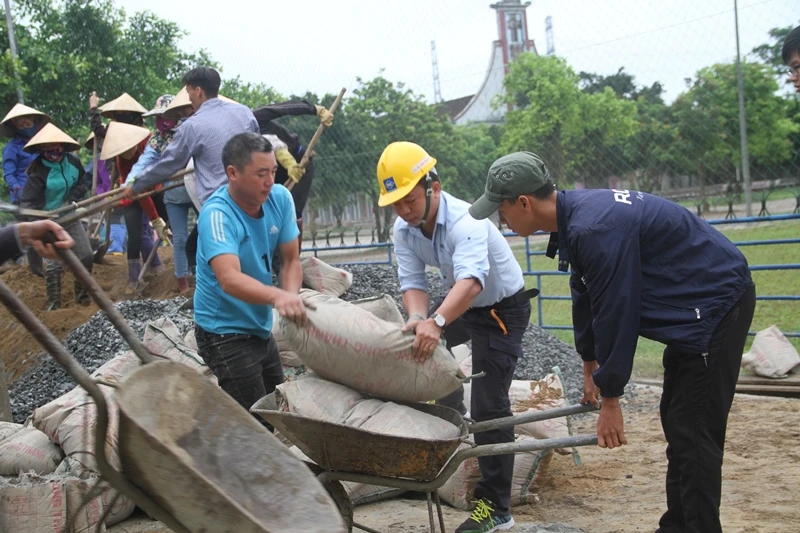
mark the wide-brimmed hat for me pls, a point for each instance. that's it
(120, 138)
(181, 101)
(50, 134)
(7, 129)
(161, 105)
(123, 103)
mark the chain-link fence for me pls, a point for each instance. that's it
(614, 94)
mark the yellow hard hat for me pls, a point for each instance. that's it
(401, 166)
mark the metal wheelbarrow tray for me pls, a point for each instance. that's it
(343, 448)
(191, 456)
(345, 453)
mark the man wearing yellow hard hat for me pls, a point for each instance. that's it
(485, 298)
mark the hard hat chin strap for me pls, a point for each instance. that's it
(428, 194)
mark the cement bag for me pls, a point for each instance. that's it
(162, 337)
(190, 341)
(8, 428)
(28, 450)
(290, 358)
(388, 418)
(325, 278)
(351, 346)
(771, 355)
(459, 490)
(71, 420)
(34, 504)
(383, 307)
(316, 398)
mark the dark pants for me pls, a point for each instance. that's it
(698, 392)
(191, 249)
(247, 367)
(496, 336)
(134, 218)
(302, 190)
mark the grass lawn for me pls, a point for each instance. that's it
(785, 314)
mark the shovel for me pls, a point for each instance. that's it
(310, 148)
(18, 211)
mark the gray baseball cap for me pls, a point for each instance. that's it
(509, 177)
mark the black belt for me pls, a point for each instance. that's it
(515, 299)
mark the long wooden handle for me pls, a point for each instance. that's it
(95, 162)
(113, 192)
(322, 127)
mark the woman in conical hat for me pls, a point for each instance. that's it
(21, 124)
(125, 144)
(56, 178)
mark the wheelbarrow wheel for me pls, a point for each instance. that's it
(336, 491)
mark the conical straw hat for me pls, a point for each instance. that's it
(120, 138)
(125, 102)
(7, 129)
(181, 101)
(89, 141)
(51, 134)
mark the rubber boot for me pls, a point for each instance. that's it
(81, 294)
(52, 283)
(134, 269)
(183, 284)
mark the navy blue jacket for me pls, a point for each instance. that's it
(642, 265)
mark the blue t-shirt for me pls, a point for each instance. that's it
(223, 228)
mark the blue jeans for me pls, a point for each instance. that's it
(179, 224)
(119, 235)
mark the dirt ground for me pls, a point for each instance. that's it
(20, 351)
(622, 491)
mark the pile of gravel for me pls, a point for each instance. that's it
(91, 344)
(542, 351)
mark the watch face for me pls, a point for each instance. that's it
(439, 319)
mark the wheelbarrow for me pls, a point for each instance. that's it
(344, 453)
(191, 456)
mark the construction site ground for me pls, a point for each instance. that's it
(622, 491)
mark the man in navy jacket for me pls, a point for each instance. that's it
(642, 265)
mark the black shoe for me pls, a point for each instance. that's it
(484, 519)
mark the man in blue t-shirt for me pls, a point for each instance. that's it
(241, 227)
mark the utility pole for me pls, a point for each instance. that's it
(748, 197)
(437, 90)
(548, 29)
(13, 45)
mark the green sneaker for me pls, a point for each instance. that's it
(485, 519)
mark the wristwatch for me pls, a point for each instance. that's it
(439, 320)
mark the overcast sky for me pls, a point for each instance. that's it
(322, 46)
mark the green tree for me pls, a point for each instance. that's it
(708, 122)
(72, 47)
(574, 131)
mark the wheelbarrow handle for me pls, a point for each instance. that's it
(53, 346)
(527, 418)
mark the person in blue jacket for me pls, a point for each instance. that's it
(21, 124)
(643, 265)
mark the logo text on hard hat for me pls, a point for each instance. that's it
(389, 184)
(418, 166)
